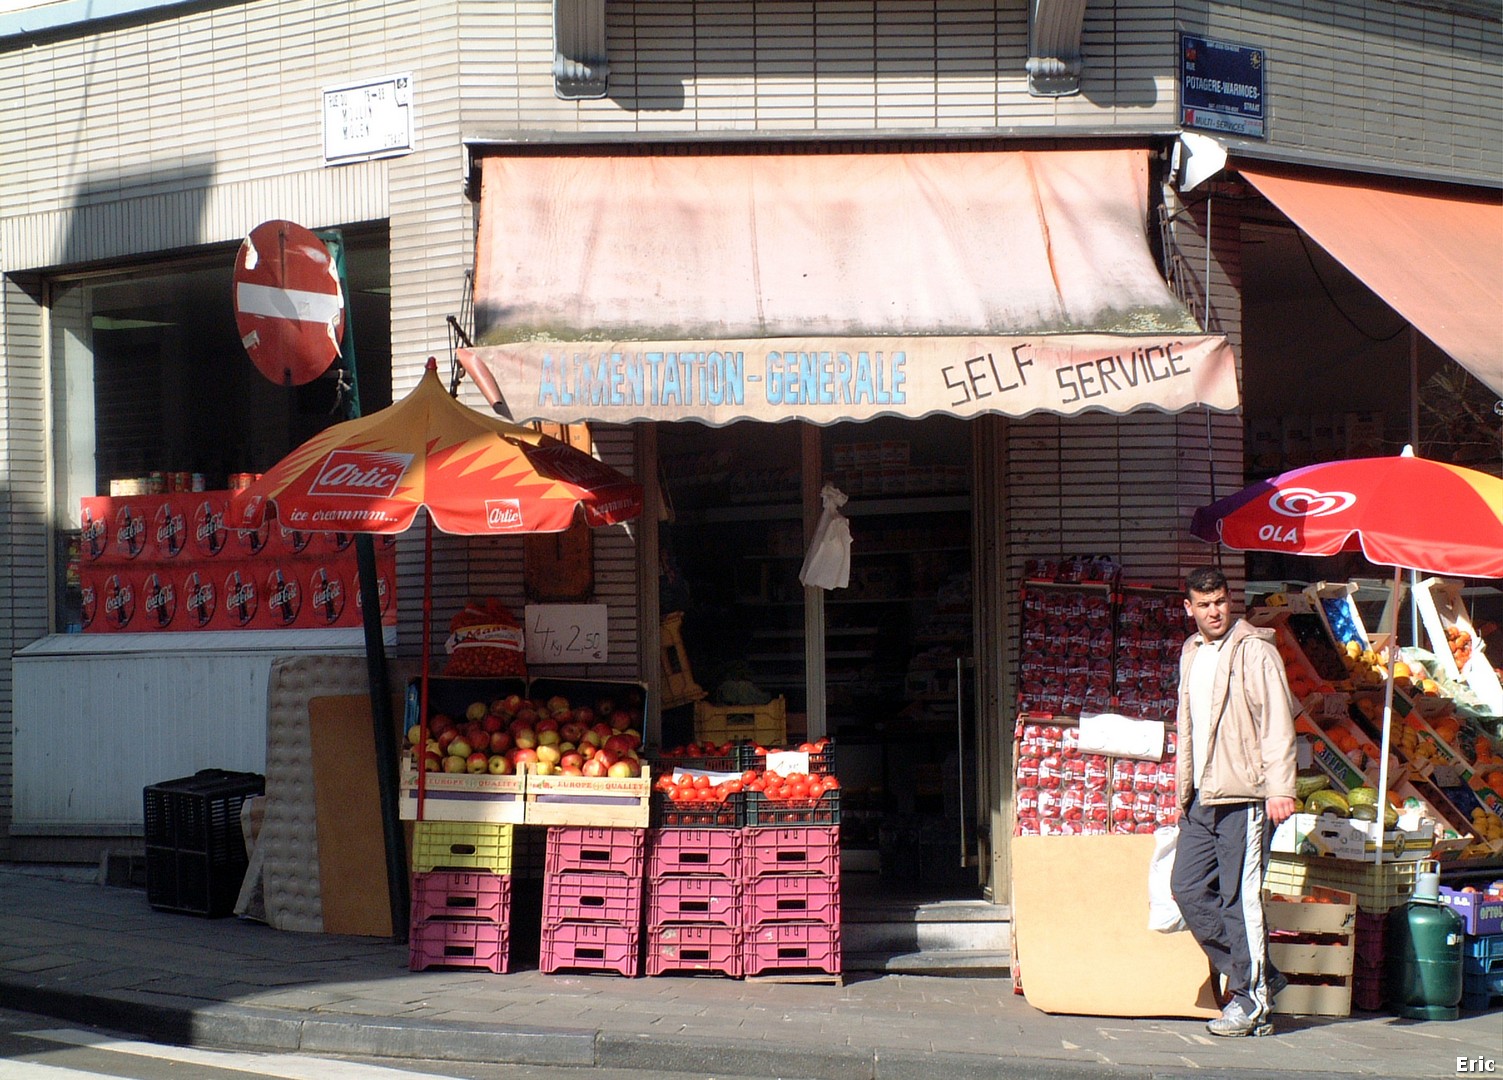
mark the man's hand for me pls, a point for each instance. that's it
(1279, 808)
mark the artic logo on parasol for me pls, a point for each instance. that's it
(360, 473)
(503, 515)
(1307, 502)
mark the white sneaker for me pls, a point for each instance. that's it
(1234, 1023)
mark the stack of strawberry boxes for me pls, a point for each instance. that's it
(694, 901)
(592, 900)
(461, 895)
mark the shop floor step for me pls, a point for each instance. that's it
(969, 963)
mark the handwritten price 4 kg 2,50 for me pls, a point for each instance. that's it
(567, 643)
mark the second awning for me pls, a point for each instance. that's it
(1434, 253)
(831, 286)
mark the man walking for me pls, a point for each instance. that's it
(1235, 779)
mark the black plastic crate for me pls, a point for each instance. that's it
(195, 853)
(821, 762)
(761, 811)
(729, 813)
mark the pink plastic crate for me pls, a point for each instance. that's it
(579, 946)
(790, 948)
(790, 898)
(682, 898)
(802, 850)
(583, 896)
(701, 947)
(694, 851)
(454, 894)
(616, 851)
(458, 943)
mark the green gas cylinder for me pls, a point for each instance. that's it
(1422, 946)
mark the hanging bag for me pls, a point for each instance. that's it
(827, 565)
(1163, 913)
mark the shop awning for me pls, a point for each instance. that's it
(831, 286)
(1433, 252)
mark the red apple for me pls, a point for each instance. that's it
(447, 736)
(573, 758)
(624, 767)
(475, 711)
(432, 762)
(453, 763)
(461, 749)
(620, 744)
(526, 716)
(620, 720)
(500, 742)
(604, 730)
(558, 704)
(605, 706)
(593, 767)
(477, 762)
(525, 738)
(498, 765)
(606, 757)
(572, 731)
(570, 770)
(585, 715)
(508, 705)
(493, 723)
(524, 756)
(440, 722)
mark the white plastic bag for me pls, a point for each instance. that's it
(1163, 912)
(828, 562)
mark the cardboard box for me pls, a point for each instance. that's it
(1479, 914)
(1356, 841)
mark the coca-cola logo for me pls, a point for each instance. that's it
(88, 606)
(119, 601)
(240, 598)
(503, 515)
(294, 540)
(283, 597)
(360, 473)
(253, 541)
(199, 599)
(208, 528)
(170, 531)
(93, 535)
(130, 531)
(326, 593)
(383, 594)
(161, 600)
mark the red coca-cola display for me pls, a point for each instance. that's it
(162, 563)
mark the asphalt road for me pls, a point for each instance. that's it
(39, 1048)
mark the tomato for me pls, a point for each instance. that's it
(756, 783)
(701, 782)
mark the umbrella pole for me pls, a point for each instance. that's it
(387, 763)
(427, 618)
(1393, 657)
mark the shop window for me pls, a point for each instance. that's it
(150, 385)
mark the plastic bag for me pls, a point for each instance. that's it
(828, 562)
(1163, 912)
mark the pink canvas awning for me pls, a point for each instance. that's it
(1434, 253)
(830, 286)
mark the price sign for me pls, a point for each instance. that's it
(565, 634)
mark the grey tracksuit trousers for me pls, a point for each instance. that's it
(1219, 863)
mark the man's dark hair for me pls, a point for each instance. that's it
(1204, 579)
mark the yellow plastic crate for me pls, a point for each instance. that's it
(462, 845)
(766, 725)
(1377, 888)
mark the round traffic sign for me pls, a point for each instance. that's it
(289, 308)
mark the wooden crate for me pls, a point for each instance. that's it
(1314, 945)
(462, 796)
(586, 800)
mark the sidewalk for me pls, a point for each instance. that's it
(87, 953)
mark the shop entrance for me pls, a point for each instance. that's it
(884, 667)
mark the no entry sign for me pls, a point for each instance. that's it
(288, 305)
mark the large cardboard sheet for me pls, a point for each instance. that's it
(1080, 920)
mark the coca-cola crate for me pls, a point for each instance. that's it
(790, 898)
(700, 852)
(458, 943)
(587, 896)
(761, 810)
(590, 946)
(697, 947)
(453, 894)
(461, 845)
(728, 813)
(195, 853)
(680, 898)
(790, 851)
(604, 850)
(750, 756)
(791, 948)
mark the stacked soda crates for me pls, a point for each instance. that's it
(1481, 914)
(1367, 972)
(694, 900)
(461, 895)
(592, 900)
(790, 899)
